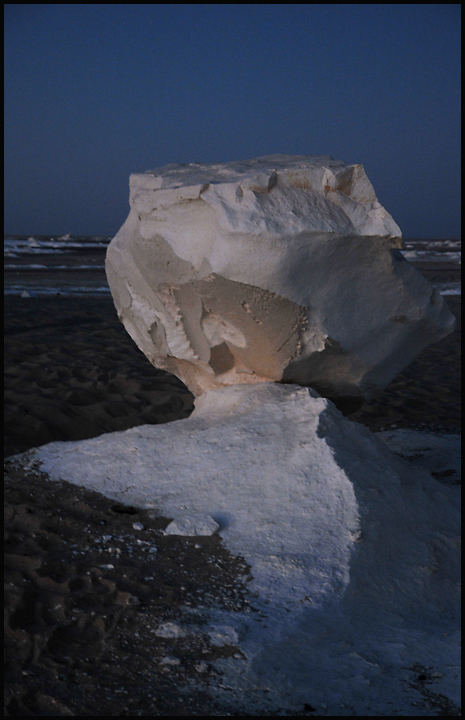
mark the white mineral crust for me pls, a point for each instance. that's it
(278, 268)
(353, 551)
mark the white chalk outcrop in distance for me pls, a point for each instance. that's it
(277, 268)
(353, 551)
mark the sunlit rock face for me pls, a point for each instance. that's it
(282, 268)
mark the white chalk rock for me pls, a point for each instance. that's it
(292, 480)
(193, 524)
(353, 552)
(277, 268)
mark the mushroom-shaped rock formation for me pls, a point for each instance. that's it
(282, 268)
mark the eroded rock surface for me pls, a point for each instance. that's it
(282, 268)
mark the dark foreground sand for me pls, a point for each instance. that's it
(72, 372)
(78, 631)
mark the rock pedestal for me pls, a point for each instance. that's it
(281, 268)
(353, 552)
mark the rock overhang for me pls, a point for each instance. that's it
(306, 231)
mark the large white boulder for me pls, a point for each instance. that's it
(353, 552)
(282, 268)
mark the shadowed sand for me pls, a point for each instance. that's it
(72, 372)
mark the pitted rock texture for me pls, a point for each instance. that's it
(281, 268)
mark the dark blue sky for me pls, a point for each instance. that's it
(95, 92)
